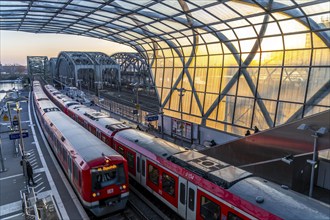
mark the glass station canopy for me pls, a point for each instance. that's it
(241, 63)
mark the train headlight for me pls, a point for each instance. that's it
(122, 187)
(96, 194)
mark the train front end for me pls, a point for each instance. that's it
(108, 189)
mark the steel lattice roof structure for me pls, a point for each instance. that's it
(241, 63)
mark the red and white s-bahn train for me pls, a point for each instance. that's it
(98, 174)
(194, 185)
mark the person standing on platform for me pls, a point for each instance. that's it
(256, 129)
(247, 133)
(29, 171)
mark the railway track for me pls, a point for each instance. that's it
(142, 205)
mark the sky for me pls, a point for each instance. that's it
(16, 46)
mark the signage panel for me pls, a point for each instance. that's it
(13, 136)
(151, 117)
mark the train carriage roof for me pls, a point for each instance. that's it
(85, 144)
(214, 170)
(151, 143)
(101, 118)
(280, 201)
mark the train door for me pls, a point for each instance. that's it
(191, 201)
(182, 203)
(143, 170)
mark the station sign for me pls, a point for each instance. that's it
(17, 135)
(151, 118)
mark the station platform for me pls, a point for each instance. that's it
(51, 183)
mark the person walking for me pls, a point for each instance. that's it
(29, 171)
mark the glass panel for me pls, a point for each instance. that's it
(222, 12)
(209, 100)
(200, 79)
(226, 109)
(168, 184)
(182, 193)
(272, 58)
(176, 75)
(271, 43)
(227, 86)
(321, 57)
(291, 26)
(311, 110)
(213, 80)
(113, 175)
(243, 111)
(246, 32)
(316, 8)
(285, 111)
(317, 42)
(153, 174)
(318, 78)
(229, 60)
(291, 58)
(259, 118)
(215, 61)
(209, 209)
(294, 81)
(245, 8)
(130, 160)
(191, 199)
(269, 81)
(297, 41)
(244, 88)
(204, 17)
(168, 77)
(159, 76)
(232, 216)
(202, 61)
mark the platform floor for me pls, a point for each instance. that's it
(49, 178)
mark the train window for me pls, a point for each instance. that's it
(75, 172)
(153, 174)
(209, 209)
(182, 193)
(168, 184)
(138, 164)
(143, 168)
(191, 200)
(121, 150)
(106, 178)
(130, 159)
(232, 216)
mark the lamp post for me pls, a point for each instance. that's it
(162, 121)
(316, 134)
(18, 110)
(181, 94)
(64, 77)
(71, 79)
(79, 82)
(98, 85)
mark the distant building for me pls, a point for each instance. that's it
(12, 69)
